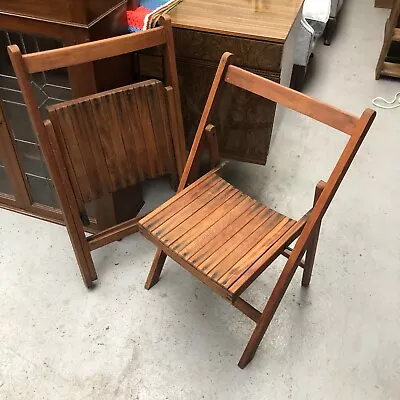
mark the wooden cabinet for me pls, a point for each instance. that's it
(67, 11)
(261, 34)
(35, 25)
(244, 121)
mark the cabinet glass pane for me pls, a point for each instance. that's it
(50, 88)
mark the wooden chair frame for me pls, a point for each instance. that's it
(24, 65)
(306, 230)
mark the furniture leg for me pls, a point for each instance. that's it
(84, 260)
(77, 236)
(298, 77)
(312, 247)
(329, 31)
(267, 314)
(69, 207)
(310, 257)
(75, 230)
(156, 268)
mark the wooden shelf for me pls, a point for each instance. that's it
(396, 35)
(391, 69)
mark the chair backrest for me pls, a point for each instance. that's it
(114, 139)
(353, 126)
(27, 64)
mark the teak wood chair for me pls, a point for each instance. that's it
(98, 144)
(225, 238)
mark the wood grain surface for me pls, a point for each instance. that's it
(115, 139)
(269, 20)
(80, 12)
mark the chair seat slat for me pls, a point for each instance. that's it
(191, 208)
(176, 203)
(218, 229)
(194, 230)
(239, 245)
(205, 213)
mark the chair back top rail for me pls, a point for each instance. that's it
(100, 95)
(93, 51)
(296, 101)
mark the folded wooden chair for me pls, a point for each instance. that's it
(225, 238)
(98, 144)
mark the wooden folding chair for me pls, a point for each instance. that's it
(105, 142)
(225, 238)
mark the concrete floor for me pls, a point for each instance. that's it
(337, 340)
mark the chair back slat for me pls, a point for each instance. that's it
(296, 101)
(115, 139)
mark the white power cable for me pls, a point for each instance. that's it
(388, 104)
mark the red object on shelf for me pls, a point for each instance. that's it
(136, 17)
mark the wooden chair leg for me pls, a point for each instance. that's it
(156, 268)
(267, 315)
(312, 246)
(87, 277)
(83, 258)
(310, 257)
(69, 205)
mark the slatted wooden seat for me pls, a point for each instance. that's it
(220, 232)
(225, 238)
(98, 144)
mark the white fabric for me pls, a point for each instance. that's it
(312, 25)
(318, 26)
(305, 43)
(317, 10)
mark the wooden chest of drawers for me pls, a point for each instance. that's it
(261, 35)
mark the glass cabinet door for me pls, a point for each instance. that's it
(50, 88)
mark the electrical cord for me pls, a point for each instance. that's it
(389, 104)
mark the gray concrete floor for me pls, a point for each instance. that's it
(337, 340)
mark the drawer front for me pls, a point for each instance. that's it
(243, 120)
(252, 54)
